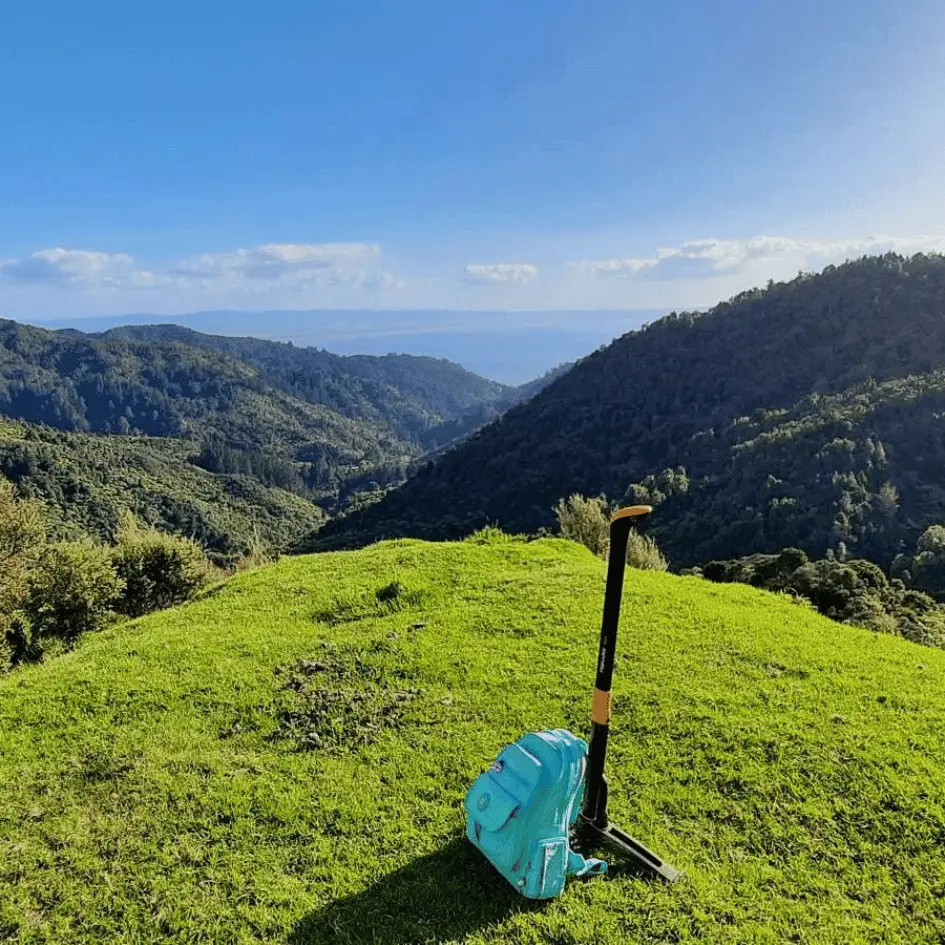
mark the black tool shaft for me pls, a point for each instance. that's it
(613, 595)
(595, 792)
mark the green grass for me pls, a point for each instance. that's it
(187, 778)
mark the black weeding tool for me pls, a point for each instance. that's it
(593, 822)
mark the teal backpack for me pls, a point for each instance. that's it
(520, 812)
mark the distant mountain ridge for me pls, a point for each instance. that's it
(511, 347)
(408, 392)
(450, 432)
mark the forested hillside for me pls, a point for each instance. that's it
(448, 432)
(410, 394)
(808, 414)
(87, 481)
(221, 439)
(293, 418)
(76, 382)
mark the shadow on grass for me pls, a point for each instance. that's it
(440, 897)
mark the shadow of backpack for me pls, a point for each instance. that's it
(520, 812)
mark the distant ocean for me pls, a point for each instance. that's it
(512, 347)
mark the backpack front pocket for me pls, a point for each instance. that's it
(489, 803)
(547, 869)
(492, 825)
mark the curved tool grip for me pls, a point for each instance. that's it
(630, 512)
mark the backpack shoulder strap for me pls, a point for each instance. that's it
(581, 866)
(547, 748)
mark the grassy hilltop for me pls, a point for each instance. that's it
(194, 776)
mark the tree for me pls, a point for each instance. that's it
(155, 570)
(22, 538)
(926, 569)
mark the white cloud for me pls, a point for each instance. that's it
(614, 267)
(692, 274)
(77, 267)
(379, 281)
(292, 263)
(269, 267)
(501, 272)
(711, 257)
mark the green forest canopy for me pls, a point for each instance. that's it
(809, 413)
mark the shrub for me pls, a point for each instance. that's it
(156, 570)
(925, 571)
(22, 538)
(586, 521)
(256, 555)
(70, 592)
(855, 592)
(492, 535)
(18, 642)
(52, 593)
(643, 553)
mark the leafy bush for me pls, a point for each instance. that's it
(855, 592)
(586, 521)
(22, 537)
(50, 594)
(71, 592)
(18, 642)
(769, 571)
(643, 553)
(925, 570)
(156, 570)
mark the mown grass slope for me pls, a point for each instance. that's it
(188, 778)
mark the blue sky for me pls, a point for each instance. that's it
(171, 157)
